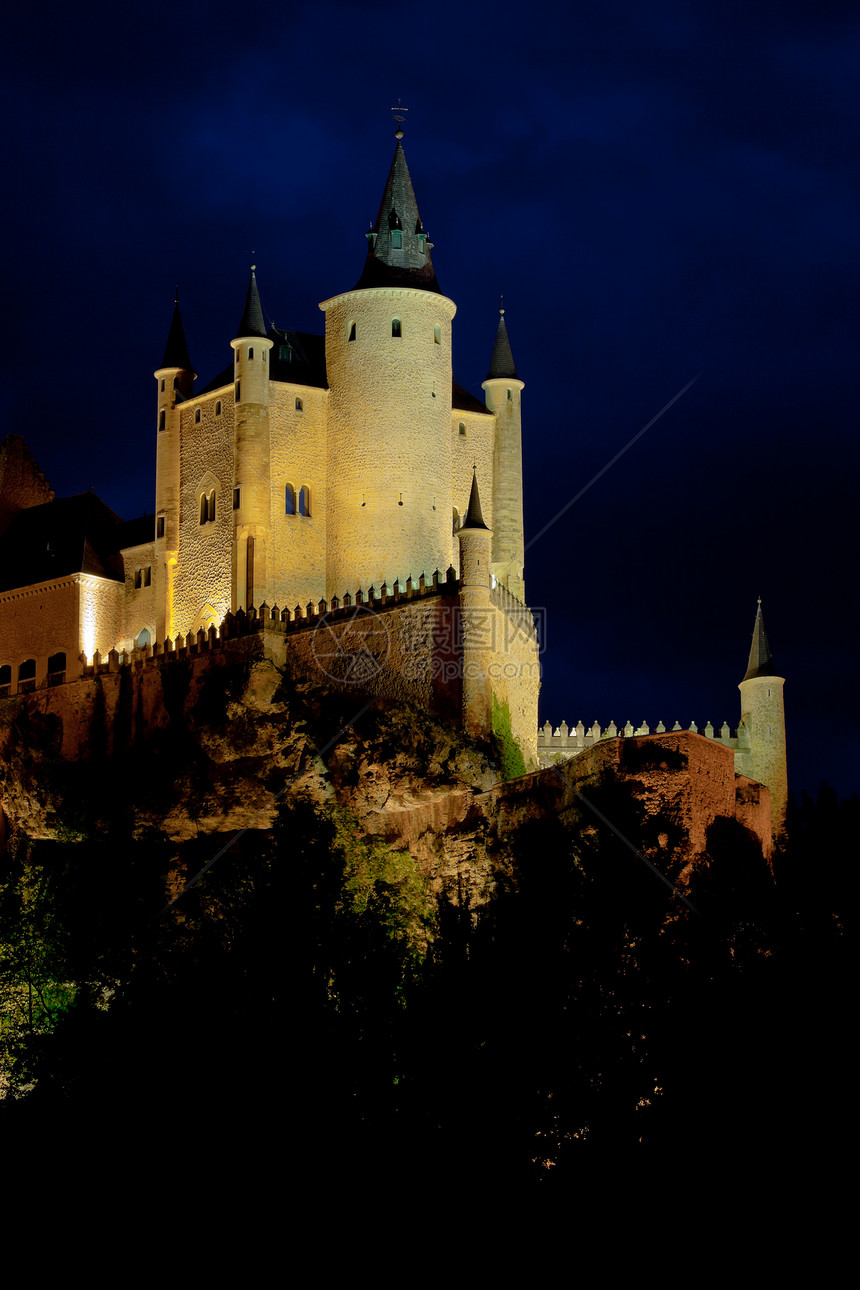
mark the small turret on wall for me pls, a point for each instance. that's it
(175, 383)
(475, 611)
(761, 734)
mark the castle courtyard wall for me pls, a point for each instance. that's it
(297, 455)
(203, 580)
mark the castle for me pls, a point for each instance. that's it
(314, 476)
(342, 498)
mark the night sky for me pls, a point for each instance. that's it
(661, 192)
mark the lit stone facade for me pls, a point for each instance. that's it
(309, 471)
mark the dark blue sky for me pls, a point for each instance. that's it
(659, 191)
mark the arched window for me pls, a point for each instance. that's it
(351, 335)
(298, 405)
(437, 335)
(204, 508)
(251, 351)
(162, 419)
(212, 506)
(395, 327)
(27, 676)
(463, 428)
(218, 408)
(197, 417)
(57, 668)
(289, 500)
(144, 638)
(5, 679)
(304, 500)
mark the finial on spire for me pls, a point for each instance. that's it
(176, 294)
(502, 305)
(397, 114)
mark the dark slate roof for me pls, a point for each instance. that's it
(463, 401)
(252, 323)
(474, 517)
(68, 535)
(136, 532)
(408, 265)
(176, 349)
(760, 659)
(502, 362)
(305, 364)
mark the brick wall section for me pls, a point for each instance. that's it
(204, 573)
(297, 543)
(37, 622)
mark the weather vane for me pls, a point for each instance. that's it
(397, 114)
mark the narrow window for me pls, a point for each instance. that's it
(304, 500)
(509, 394)
(437, 335)
(422, 242)
(395, 327)
(263, 356)
(285, 352)
(147, 576)
(249, 573)
(162, 419)
(197, 417)
(159, 526)
(236, 496)
(463, 428)
(396, 239)
(138, 579)
(251, 352)
(351, 331)
(238, 391)
(162, 385)
(204, 508)
(289, 500)
(176, 382)
(5, 679)
(57, 668)
(298, 405)
(212, 506)
(456, 520)
(218, 408)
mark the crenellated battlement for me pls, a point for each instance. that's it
(566, 741)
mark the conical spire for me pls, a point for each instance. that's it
(474, 516)
(502, 362)
(252, 323)
(176, 349)
(398, 249)
(760, 660)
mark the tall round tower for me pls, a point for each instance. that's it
(388, 361)
(503, 392)
(251, 454)
(175, 383)
(762, 732)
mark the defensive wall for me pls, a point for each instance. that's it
(400, 645)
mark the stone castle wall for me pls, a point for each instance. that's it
(297, 543)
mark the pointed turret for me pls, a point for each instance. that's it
(760, 659)
(474, 517)
(761, 734)
(502, 362)
(176, 349)
(503, 390)
(398, 249)
(252, 322)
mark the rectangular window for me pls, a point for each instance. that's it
(235, 499)
(397, 239)
(147, 576)
(159, 526)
